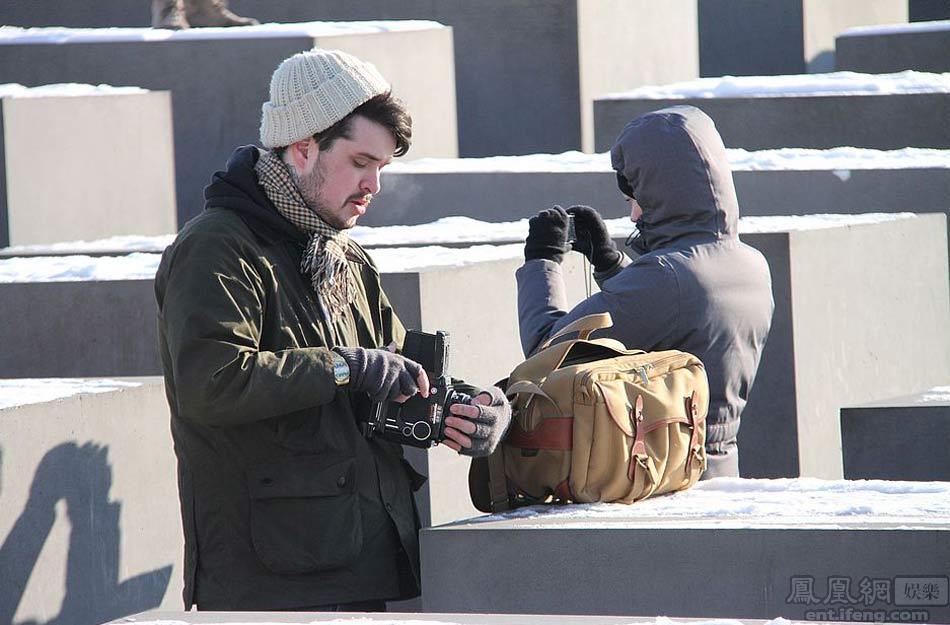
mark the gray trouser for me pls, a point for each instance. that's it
(722, 460)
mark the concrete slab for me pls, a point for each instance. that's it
(799, 549)
(769, 182)
(89, 522)
(780, 37)
(220, 77)
(904, 438)
(885, 111)
(559, 53)
(817, 360)
(838, 300)
(111, 171)
(399, 618)
(923, 46)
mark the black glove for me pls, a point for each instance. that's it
(592, 238)
(383, 374)
(547, 235)
(491, 424)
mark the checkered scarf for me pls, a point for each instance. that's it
(324, 260)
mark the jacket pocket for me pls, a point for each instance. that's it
(305, 514)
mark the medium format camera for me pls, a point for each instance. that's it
(420, 421)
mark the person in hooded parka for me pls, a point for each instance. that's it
(694, 286)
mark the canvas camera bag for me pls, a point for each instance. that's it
(593, 421)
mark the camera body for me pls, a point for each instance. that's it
(571, 230)
(420, 421)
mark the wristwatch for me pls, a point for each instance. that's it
(341, 370)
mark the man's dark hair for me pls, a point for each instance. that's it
(386, 111)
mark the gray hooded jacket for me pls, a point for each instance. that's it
(695, 288)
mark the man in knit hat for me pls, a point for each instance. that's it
(276, 338)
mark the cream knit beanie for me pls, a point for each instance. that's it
(311, 91)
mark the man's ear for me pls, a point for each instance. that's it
(298, 154)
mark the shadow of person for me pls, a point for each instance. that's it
(81, 476)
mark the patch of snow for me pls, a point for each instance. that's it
(798, 159)
(58, 35)
(403, 259)
(25, 391)
(117, 244)
(137, 266)
(797, 85)
(437, 244)
(896, 29)
(565, 162)
(794, 223)
(843, 158)
(736, 502)
(936, 394)
(61, 90)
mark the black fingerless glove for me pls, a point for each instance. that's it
(593, 240)
(382, 374)
(547, 235)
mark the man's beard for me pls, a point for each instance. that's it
(311, 187)
(311, 190)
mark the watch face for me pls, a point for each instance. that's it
(341, 371)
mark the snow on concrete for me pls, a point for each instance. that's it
(566, 162)
(796, 85)
(137, 266)
(26, 391)
(470, 619)
(437, 244)
(754, 225)
(47, 35)
(742, 503)
(897, 29)
(797, 159)
(404, 259)
(62, 90)
(939, 394)
(110, 245)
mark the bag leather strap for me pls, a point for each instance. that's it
(583, 326)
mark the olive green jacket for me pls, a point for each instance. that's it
(284, 503)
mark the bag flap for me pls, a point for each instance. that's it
(304, 476)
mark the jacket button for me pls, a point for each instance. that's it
(341, 481)
(266, 481)
(389, 507)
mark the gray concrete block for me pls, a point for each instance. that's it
(525, 71)
(928, 10)
(81, 162)
(904, 438)
(838, 302)
(675, 557)
(922, 47)
(219, 79)
(396, 618)
(90, 528)
(508, 189)
(819, 357)
(884, 122)
(775, 37)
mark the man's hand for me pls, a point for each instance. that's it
(593, 241)
(479, 426)
(547, 235)
(384, 375)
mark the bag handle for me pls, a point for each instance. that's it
(528, 387)
(583, 326)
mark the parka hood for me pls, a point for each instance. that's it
(676, 164)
